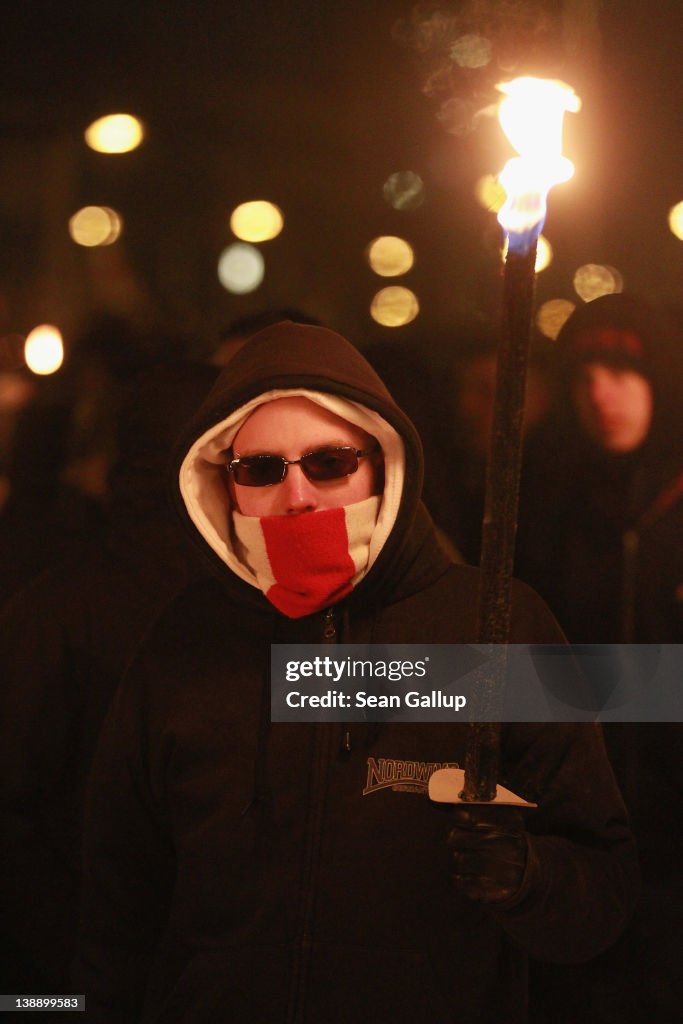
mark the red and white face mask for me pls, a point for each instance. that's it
(304, 563)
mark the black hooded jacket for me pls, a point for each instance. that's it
(247, 871)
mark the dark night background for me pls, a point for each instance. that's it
(312, 106)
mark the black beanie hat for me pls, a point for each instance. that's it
(632, 334)
(619, 330)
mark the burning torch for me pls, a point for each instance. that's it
(531, 114)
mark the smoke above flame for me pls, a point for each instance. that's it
(463, 48)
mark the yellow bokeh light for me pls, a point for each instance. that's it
(44, 349)
(115, 133)
(676, 220)
(544, 253)
(552, 316)
(241, 268)
(256, 221)
(95, 225)
(616, 278)
(490, 193)
(390, 256)
(595, 279)
(394, 306)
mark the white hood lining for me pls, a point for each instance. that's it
(203, 478)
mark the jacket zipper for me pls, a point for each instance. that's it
(329, 627)
(630, 544)
(322, 752)
(330, 636)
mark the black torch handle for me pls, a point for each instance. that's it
(500, 520)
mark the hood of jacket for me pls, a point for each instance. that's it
(287, 360)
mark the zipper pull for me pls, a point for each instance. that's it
(630, 543)
(329, 628)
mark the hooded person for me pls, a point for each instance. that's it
(272, 872)
(604, 547)
(66, 638)
(602, 543)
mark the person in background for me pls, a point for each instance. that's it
(44, 517)
(63, 447)
(605, 529)
(17, 389)
(65, 640)
(473, 376)
(265, 871)
(453, 410)
(602, 541)
(400, 366)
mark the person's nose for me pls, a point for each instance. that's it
(600, 389)
(299, 494)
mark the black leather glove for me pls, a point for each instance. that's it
(489, 851)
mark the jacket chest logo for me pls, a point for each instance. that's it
(400, 775)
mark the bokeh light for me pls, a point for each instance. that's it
(114, 133)
(676, 220)
(552, 316)
(95, 225)
(616, 278)
(44, 350)
(394, 306)
(256, 221)
(404, 190)
(544, 253)
(490, 193)
(471, 51)
(241, 268)
(595, 279)
(390, 256)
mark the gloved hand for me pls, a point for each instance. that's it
(489, 851)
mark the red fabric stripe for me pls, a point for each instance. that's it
(309, 556)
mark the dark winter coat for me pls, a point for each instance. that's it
(603, 544)
(65, 640)
(255, 872)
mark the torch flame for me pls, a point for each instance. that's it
(531, 115)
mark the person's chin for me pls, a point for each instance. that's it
(612, 439)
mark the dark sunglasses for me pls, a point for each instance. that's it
(328, 463)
